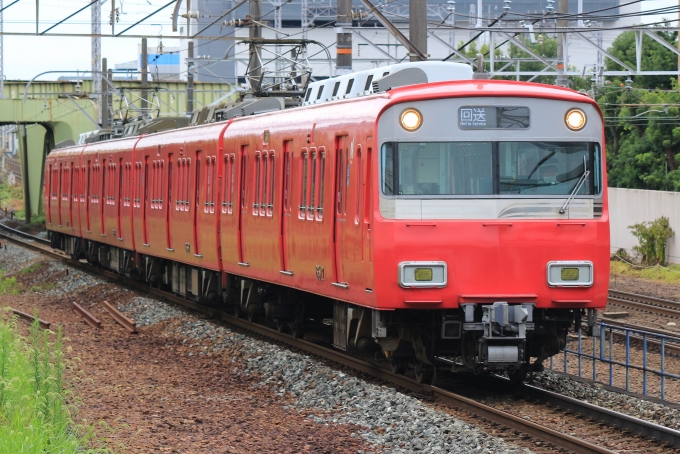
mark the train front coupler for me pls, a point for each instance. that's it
(500, 333)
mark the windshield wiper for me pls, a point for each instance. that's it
(580, 182)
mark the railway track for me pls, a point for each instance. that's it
(645, 303)
(471, 406)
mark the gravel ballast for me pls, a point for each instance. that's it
(394, 422)
(595, 394)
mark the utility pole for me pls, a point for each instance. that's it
(255, 31)
(562, 11)
(2, 63)
(109, 75)
(145, 81)
(343, 59)
(103, 98)
(96, 49)
(417, 23)
(190, 63)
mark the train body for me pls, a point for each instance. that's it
(461, 219)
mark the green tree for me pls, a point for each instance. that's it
(655, 57)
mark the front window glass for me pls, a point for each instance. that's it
(546, 168)
(489, 168)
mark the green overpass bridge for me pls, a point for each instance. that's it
(48, 113)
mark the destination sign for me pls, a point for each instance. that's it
(492, 117)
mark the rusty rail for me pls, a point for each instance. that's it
(30, 318)
(87, 317)
(119, 317)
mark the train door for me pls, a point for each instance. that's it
(102, 199)
(340, 208)
(366, 208)
(243, 211)
(286, 209)
(119, 213)
(50, 191)
(168, 218)
(59, 193)
(71, 191)
(145, 204)
(88, 196)
(197, 193)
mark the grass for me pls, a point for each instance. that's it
(8, 285)
(31, 268)
(42, 287)
(36, 407)
(668, 275)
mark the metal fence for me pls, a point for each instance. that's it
(643, 355)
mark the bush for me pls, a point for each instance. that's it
(36, 407)
(652, 237)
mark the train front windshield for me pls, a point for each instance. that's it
(432, 169)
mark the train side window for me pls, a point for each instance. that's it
(265, 174)
(270, 204)
(303, 190)
(213, 192)
(232, 179)
(156, 184)
(225, 186)
(256, 192)
(180, 180)
(64, 183)
(187, 172)
(312, 190)
(208, 184)
(322, 184)
(74, 183)
(244, 160)
(286, 177)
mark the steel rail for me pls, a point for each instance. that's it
(471, 406)
(451, 399)
(626, 422)
(25, 235)
(30, 318)
(120, 318)
(645, 303)
(88, 318)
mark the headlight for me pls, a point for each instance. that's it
(411, 119)
(422, 274)
(570, 274)
(575, 119)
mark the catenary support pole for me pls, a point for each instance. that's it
(343, 60)
(104, 105)
(562, 10)
(255, 32)
(145, 77)
(418, 27)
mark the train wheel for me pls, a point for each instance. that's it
(397, 367)
(424, 373)
(281, 327)
(297, 330)
(518, 376)
(251, 316)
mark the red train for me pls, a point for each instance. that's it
(464, 220)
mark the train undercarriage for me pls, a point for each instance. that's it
(479, 338)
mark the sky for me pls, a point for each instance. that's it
(27, 56)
